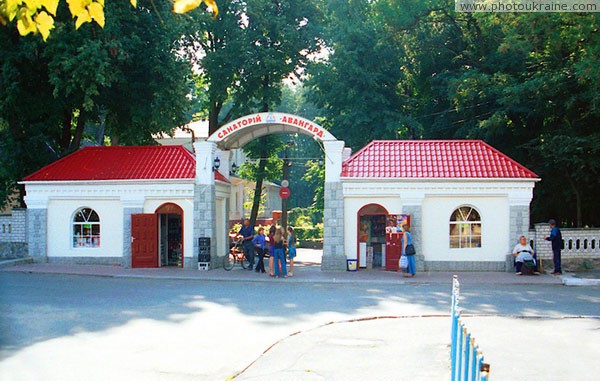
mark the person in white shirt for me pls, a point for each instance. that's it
(523, 252)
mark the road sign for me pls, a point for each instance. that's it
(285, 183)
(284, 192)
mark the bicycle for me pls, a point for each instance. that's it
(235, 255)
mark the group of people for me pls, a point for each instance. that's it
(279, 241)
(524, 253)
(276, 244)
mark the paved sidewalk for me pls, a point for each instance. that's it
(303, 273)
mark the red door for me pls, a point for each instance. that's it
(144, 240)
(393, 249)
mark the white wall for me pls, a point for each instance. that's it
(150, 206)
(435, 240)
(107, 198)
(60, 220)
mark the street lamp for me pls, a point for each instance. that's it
(234, 168)
(216, 164)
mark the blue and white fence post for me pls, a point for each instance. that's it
(466, 361)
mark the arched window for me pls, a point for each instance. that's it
(86, 228)
(465, 228)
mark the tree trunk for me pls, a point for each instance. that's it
(579, 220)
(260, 175)
(213, 117)
(76, 141)
(65, 137)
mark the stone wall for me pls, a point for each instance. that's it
(581, 247)
(205, 217)
(13, 234)
(37, 234)
(334, 256)
(416, 218)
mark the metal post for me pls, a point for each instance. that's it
(467, 356)
(454, 345)
(479, 362)
(284, 209)
(460, 351)
(285, 176)
(473, 360)
(454, 311)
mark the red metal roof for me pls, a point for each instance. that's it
(432, 159)
(122, 163)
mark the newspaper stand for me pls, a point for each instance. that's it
(204, 253)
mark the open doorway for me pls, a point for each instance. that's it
(372, 220)
(170, 235)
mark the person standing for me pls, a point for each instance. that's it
(291, 249)
(272, 230)
(279, 250)
(408, 249)
(260, 244)
(247, 233)
(556, 238)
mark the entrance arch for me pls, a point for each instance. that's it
(243, 130)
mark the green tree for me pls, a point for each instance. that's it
(515, 80)
(216, 46)
(279, 36)
(126, 77)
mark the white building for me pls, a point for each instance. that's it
(96, 205)
(466, 202)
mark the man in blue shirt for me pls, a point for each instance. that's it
(247, 232)
(556, 238)
(260, 243)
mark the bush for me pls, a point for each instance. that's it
(304, 216)
(309, 233)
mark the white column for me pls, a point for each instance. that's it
(334, 150)
(205, 156)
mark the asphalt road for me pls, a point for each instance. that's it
(79, 327)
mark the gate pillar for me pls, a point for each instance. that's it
(204, 202)
(334, 255)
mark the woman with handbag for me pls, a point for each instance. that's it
(408, 250)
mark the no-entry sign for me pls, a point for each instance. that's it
(284, 192)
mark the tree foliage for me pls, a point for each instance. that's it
(37, 16)
(125, 81)
(524, 82)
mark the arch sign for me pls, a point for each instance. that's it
(245, 129)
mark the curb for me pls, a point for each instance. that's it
(15, 262)
(322, 279)
(570, 280)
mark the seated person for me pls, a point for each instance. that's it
(523, 252)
